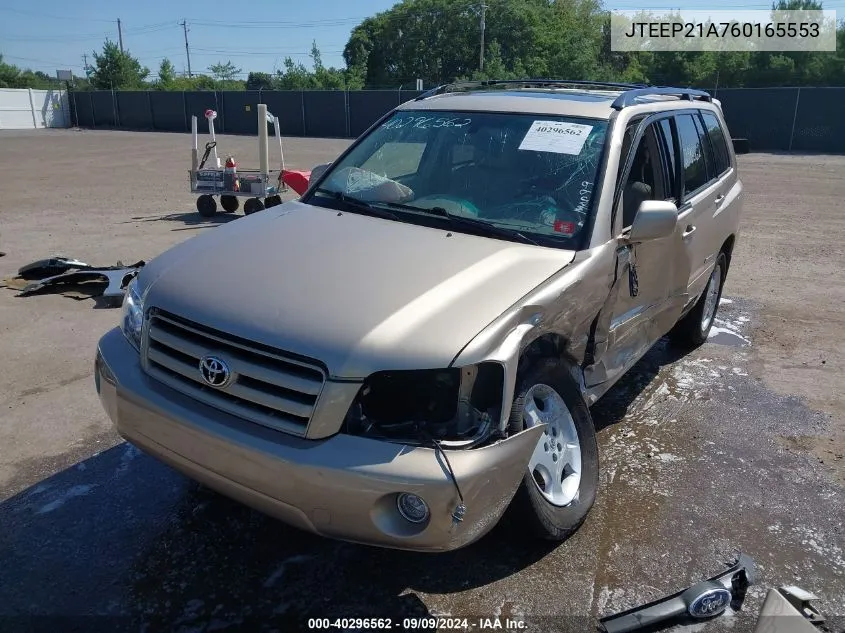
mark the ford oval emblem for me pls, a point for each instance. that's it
(710, 603)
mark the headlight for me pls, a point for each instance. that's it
(133, 314)
(455, 405)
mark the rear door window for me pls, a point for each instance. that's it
(718, 142)
(693, 159)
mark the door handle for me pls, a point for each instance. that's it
(689, 231)
(720, 199)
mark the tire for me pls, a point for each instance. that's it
(272, 201)
(206, 205)
(694, 327)
(531, 508)
(252, 205)
(230, 204)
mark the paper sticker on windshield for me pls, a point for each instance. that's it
(558, 137)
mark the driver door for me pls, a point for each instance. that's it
(651, 276)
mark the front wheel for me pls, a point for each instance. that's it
(561, 479)
(694, 328)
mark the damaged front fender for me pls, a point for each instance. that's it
(564, 307)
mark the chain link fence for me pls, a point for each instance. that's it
(318, 113)
(772, 119)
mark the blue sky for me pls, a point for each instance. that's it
(254, 35)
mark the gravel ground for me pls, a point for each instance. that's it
(737, 446)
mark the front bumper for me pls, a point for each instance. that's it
(342, 487)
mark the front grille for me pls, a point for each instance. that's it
(268, 386)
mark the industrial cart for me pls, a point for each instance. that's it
(262, 187)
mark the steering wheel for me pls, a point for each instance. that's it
(453, 204)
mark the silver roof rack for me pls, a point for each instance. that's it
(631, 93)
(630, 97)
(466, 86)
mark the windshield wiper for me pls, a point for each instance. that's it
(361, 206)
(459, 220)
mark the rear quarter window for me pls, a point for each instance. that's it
(718, 141)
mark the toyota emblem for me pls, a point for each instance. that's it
(215, 371)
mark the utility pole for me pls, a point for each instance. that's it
(120, 34)
(85, 65)
(481, 54)
(187, 48)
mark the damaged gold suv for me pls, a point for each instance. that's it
(411, 349)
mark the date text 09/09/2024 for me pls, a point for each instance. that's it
(418, 624)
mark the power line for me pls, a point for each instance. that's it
(142, 29)
(299, 52)
(64, 38)
(52, 16)
(276, 25)
(157, 26)
(38, 61)
(167, 49)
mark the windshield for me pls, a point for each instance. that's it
(532, 174)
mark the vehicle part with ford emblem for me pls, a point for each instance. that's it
(705, 600)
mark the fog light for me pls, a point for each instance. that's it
(412, 507)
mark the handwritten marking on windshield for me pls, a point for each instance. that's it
(425, 122)
(585, 192)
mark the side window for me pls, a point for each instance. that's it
(692, 154)
(627, 139)
(667, 140)
(707, 149)
(718, 141)
(645, 178)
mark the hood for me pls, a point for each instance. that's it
(359, 294)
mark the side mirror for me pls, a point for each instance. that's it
(654, 219)
(318, 171)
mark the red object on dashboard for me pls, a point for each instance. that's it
(567, 228)
(296, 180)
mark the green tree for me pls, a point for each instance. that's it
(326, 78)
(259, 81)
(9, 75)
(224, 72)
(166, 75)
(116, 70)
(438, 41)
(297, 76)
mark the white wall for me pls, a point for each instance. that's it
(27, 108)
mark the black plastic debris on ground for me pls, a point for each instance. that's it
(76, 279)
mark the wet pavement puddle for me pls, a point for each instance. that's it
(692, 471)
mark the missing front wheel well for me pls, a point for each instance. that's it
(551, 346)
